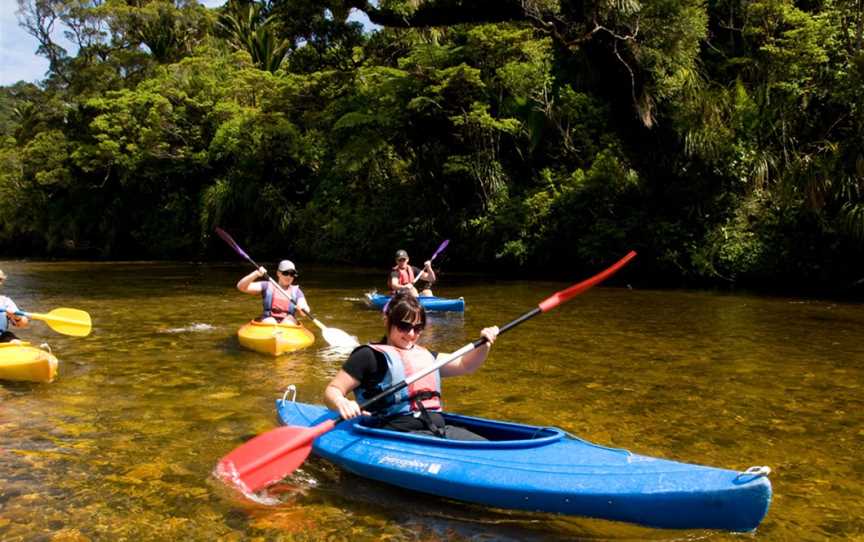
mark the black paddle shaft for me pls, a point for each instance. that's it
(458, 354)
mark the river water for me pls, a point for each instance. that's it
(123, 444)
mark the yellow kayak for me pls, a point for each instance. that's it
(24, 361)
(274, 339)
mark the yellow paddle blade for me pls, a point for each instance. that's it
(73, 322)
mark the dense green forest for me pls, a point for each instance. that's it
(722, 139)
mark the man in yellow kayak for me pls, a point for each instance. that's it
(278, 308)
(10, 318)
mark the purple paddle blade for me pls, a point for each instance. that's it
(233, 244)
(440, 249)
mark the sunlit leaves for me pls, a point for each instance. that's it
(45, 158)
(793, 45)
(168, 30)
(250, 30)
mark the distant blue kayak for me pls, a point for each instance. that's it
(543, 469)
(430, 303)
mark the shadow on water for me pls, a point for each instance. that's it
(123, 443)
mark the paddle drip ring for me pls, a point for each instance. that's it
(292, 389)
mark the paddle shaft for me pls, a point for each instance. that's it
(40, 316)
(286, 294)
(311, 316)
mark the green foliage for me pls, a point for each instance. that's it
(45, 158)
(671, 34)
(13, 205)
(580, 122)
(722, 139)
(403, 8)
(250, 30)
(593, 212)
(168, 30)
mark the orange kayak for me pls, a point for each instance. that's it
(23, 361)
(274, 339)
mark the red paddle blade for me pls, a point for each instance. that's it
(564, 295)
(269, 457)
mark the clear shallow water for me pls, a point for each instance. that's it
(123, 443)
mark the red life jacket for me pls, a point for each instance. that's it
(406, 276)
(277, 304)
(401, 365)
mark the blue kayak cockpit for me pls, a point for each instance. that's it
(498, 434)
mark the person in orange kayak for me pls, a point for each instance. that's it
(402, 276)
(374, 367)
(278, 307)
(9, 318)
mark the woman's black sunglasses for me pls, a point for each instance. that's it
(405, 327)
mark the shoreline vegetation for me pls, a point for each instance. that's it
(724, 142)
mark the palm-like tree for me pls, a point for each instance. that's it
(249, 30)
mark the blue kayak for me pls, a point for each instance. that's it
(543, 469)
(430, 303)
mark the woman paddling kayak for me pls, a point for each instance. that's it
(374, 367)
(278, 308)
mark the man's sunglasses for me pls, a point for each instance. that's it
(405, 327)
(402, 260)
(290, 272)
